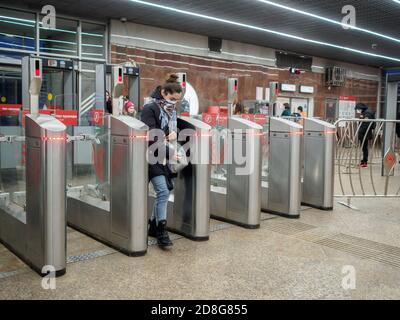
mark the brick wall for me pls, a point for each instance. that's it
(209, 78)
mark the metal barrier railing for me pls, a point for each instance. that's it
(367, 159)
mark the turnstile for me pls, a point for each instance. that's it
(236, 195)
(189, 206)
(121, 221)
(36, 232)
(319, 164)
(281, 193)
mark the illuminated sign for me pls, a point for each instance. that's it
(306, 89)
(288, 87)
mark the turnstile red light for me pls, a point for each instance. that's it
(37, 68)
(55, 139)
(139, 137)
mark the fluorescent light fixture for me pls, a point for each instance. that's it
(397, 1)
(381, 35)
(251, 27)
(56, 49)
(18, 23)
(18, 19)
(16, 36)
(16, 45)
(92, 34)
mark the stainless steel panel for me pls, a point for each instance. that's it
(243, 200)
(319, 155)
(122, 222)
(218, 202)
(89, 218)
(35, 186)
(138, 192)
(279, 169)
(42, 240)
(192, 197)
(120, 184)
(55, 204)
(285, 168)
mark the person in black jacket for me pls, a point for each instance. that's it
(109, 107)
(160, 114)
(365, 133)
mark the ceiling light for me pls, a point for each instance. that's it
(247, 26)
(330, 20)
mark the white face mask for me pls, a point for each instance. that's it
(171, 102)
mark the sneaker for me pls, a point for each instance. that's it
(163, 239)
(364, 165)
(153, 228)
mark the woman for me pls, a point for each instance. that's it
(109, 107)
(161, 114)
(129, 108)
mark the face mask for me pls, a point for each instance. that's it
(172, 103)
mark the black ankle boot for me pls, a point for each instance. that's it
(153, 228)
(163, 239)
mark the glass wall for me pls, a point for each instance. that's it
(18, 33)
(17, 30)
(93, 41)
(88, 91)
(62, 40)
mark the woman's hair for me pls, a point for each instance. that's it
(172, 85)
(238, 109)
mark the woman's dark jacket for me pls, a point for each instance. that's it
(151, 117)
(367, 128)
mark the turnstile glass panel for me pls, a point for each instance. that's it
(88, 162)
(52, 92)
(12, 171)
(219, 168)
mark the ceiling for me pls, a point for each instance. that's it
(381, 16)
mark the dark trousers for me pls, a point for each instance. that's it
(365, 150)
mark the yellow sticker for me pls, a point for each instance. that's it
(3, 99)
(49, 96)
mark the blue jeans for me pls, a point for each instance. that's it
(162, 192)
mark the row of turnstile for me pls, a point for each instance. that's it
(111, 202)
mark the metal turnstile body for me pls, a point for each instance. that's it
(189, 206)
(240, 201)
(38, 234)
(121, 222)
(319, 166)
(282, 194)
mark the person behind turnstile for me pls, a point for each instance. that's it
(365, 133)
(129, 108)
(109, 107)
(286, 112)
(161, 114)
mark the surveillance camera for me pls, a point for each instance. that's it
(374, 46)
(123, 19)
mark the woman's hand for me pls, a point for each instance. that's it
(172, 136)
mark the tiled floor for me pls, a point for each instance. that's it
(284, 259)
